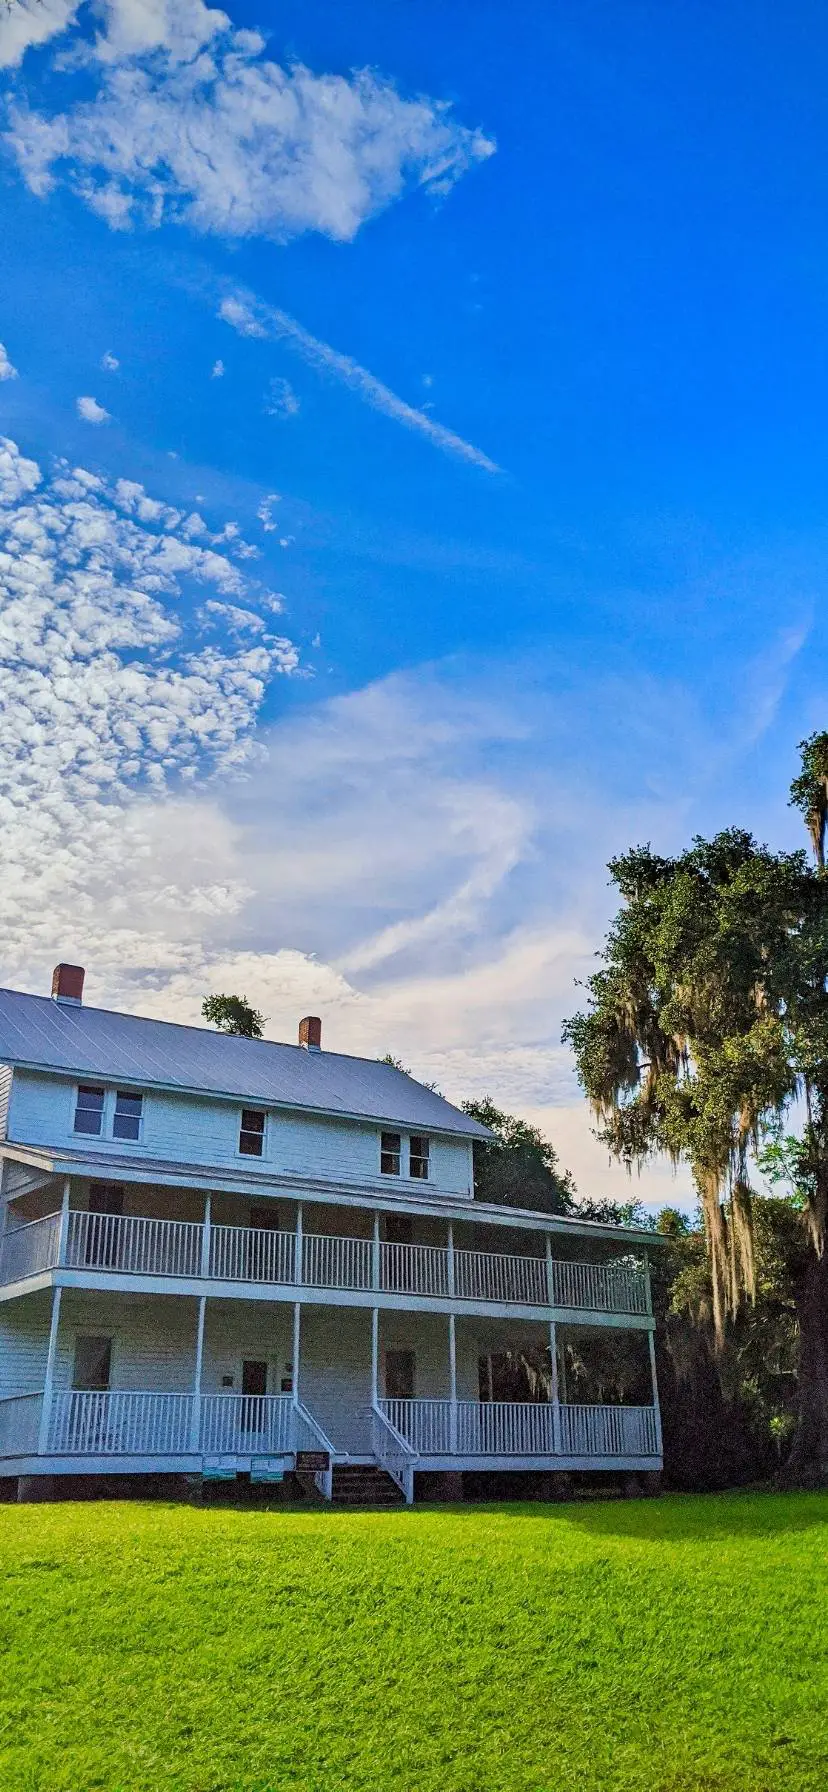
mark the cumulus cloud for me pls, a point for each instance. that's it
(190, 121)
(91, 411)
(250, 317)
(110, 362)
(7, 371)
(281, 400)
(116, 697)
(28, 23)
(217, 370)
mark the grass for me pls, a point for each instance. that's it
(678, 1645)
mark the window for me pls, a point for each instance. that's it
(89, 1109)
(93, 1359)
(251, 1132)
(126, 1123)
(418, 1158)
(390, 1153)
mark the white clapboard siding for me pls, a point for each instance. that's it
(5, 1096)
(205, 1131)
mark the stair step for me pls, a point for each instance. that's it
(362, 1485)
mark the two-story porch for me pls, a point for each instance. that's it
(150, 1324)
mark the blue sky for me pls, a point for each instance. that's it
(448, 389)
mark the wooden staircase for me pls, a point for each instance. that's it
(357, 1484)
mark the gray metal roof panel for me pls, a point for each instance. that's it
(98, 1042)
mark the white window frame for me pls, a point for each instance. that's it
(388, 1132)
(426, 1160)
(116, 1139)
(94, 1331)
(106, 1135)
(247, 1157)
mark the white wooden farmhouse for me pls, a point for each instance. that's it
(225, 1256)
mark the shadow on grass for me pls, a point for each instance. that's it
(668, 1518)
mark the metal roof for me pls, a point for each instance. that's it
(39, 1033)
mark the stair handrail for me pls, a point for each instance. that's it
(398, 1462)
(323, 1478)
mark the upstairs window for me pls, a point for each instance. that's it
(126, 1121)
(89, 1110)
(390, 1143)
(418, 1157)
(251, 1132)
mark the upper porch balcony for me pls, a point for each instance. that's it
(78, 1246)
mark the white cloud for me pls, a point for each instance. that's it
(27, 23)
(265, 512)
(91, 411)
(217, 370)
(250, 317)
(281, 400)
(7, 371)
(110, 362)
(191, 122)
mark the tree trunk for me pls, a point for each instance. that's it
(808, 1461)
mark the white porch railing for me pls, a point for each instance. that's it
(20, 1424)
(335, 1262)
(247, 1424)
(252, 1254)
(522, 1428)
(133, 1245)
(490, 1275)
(29, 1250)
(605, 1287)
(129, 1244)
(119, 1424)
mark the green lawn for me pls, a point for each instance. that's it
(654, 1646)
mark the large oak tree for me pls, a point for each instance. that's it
(705, 1023)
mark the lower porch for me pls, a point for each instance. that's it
(133, 1384)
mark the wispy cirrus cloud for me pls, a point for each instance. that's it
(250, 316)
(191, 122)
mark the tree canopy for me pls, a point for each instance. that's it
(519, 1168)
(706, 1019)
(233, 1014)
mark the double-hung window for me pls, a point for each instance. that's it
(126, 1120)
(89, 1110)
(390, 1143)
(418, 1157)
(252, 1132)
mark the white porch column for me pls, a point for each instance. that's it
(553, 1351)
(298, 1267)
(49, 1377)
(195, 1420)
(375, 1253)
(63, 1234)
(205, 1235)
(450, 1257)
(656, 1406)
(452, 1385)
(374, 1355)
(297, 1329)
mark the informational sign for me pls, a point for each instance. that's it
(312, 1462)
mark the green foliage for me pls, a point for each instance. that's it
(672, 1644)
(519, 1168)
(233, 1014)
(809, 792)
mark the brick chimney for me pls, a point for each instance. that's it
(310, 1033)
(67, 984)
